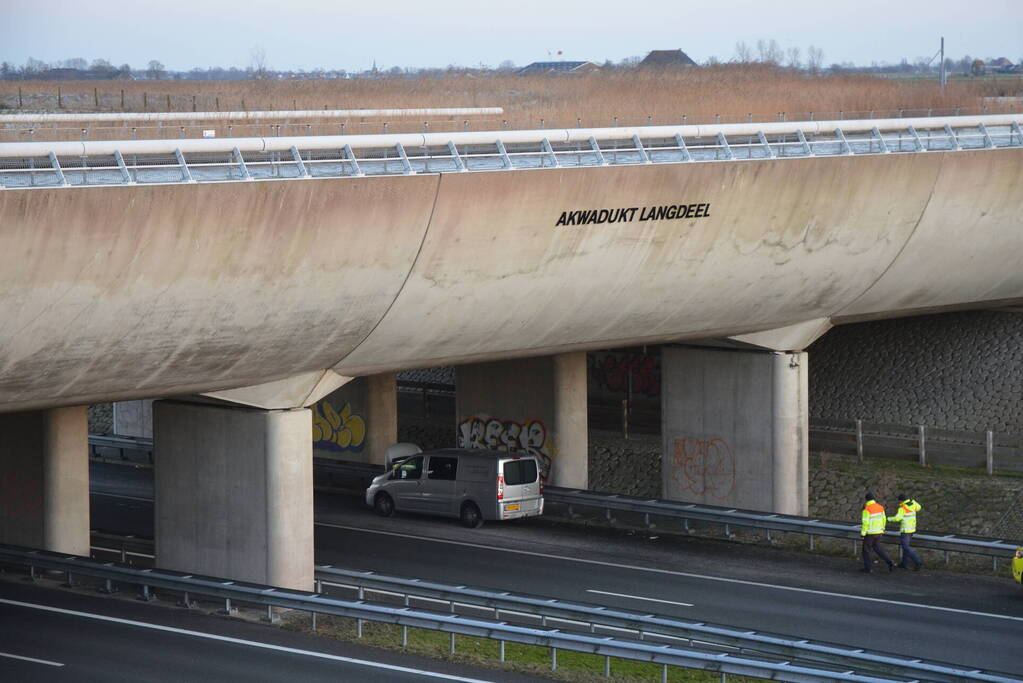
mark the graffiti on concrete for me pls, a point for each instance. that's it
(612, 372)
(20, 494)
(704, 466)
(337, 430)
(531, 436)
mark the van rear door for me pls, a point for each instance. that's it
(521, 486)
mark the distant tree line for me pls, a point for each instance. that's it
(762, 52)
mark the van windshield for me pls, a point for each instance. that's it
(518, 472)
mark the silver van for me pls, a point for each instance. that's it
(470, 484)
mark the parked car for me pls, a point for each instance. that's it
(470, 484)
(1017, 566)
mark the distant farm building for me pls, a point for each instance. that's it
(666, 59)
(540, 68)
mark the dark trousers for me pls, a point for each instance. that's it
(907, 552)
(873, 542)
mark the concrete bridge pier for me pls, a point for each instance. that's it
(535, 405)
(234, 492)
(735, 428)
(44, 479)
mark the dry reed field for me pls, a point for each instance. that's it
(727, 93)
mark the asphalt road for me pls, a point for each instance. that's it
(48, 635)
(968, 620)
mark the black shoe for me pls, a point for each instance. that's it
(902, 566)
(865, 570)
(917, 568)
(891, 566)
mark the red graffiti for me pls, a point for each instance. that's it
(613, 373)
(704, 466)
(21, 495)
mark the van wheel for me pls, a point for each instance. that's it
(383, 505)
(470, 516)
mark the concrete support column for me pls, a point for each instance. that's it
(234, 492)
(532, 405)
(571, 468)
(44, 479)
(735, 428)
(381, 415)
(134, 418)
(791, 433)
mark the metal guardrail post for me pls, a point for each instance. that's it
(859, 440)
(990, 452)
(358, 622)
(922, 439)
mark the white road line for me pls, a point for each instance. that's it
(239, 641)
(639, 597)
(671, 572)
(30, 659)
(115, 495)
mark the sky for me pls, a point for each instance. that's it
(309, 34)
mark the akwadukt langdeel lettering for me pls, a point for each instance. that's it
(667, 212)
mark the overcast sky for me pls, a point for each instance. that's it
(308, 34)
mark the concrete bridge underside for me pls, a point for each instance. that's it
(121, 292)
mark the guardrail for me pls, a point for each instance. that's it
(726, 517)
(919, 443)
(729, 517)
(597, 618)
(25, 165)
(555, 639)
(645, 625)
(135, 450)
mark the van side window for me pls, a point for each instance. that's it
(411, 468)
(443, 468)
(518, 472)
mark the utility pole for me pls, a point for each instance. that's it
(942, 75)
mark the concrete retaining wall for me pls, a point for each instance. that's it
(961, 371)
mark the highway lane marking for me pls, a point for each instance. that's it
(639, 597)
(116, 495)
(671, 572)
(30, 659)
(240, 641)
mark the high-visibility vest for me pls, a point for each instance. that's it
(873, 519)
(906, 516)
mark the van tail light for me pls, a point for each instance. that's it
(541, 486)
(500, 487)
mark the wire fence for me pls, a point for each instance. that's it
(923, 444)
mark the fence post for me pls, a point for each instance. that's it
(122, 99)
(922, 431)
(19, 97)
(859, 440)
(95, 97)
(990, 452)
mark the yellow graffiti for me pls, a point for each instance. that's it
(343, 429)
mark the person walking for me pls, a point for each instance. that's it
(871, 530)
(906, 517)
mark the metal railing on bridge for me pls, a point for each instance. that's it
(26, 165)
(635, 636)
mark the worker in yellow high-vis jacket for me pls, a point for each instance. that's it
(872, 529)
(906, 517)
